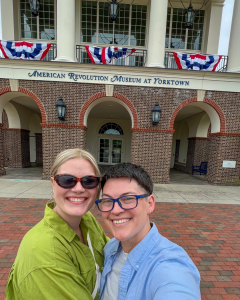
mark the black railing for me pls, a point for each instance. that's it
(137, 59)
(52, 53)
(170, 63)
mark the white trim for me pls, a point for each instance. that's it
(103, 99)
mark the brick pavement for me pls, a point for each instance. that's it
(210, 233)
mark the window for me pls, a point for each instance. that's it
(41, 27)
(111, 128)
(177, 36)
(129, 28)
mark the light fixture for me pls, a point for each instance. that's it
(61, 107)
(34, 6)
(113, 10)
(156, 112)
(189, 16)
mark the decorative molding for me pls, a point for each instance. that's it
(109, 90)
(53, 125)
(103, 94)
(39, 103)
(237, 134)
(201, 95)
(152, 130)
(14, 84)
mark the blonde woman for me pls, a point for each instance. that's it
(61, 256)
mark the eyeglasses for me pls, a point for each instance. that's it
(69, 181)
(125, 202)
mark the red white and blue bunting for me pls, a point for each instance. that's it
(99, 55)
(24, 50)
(197, 61)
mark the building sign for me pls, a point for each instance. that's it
(229, 164)
(112, 79)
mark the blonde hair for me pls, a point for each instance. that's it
(68, 154)
(65, 155)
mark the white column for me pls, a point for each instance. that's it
(234, 42)
(7, 20)
(66, 30)
(214, 28)
(157, 33)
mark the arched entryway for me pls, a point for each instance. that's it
(21, 114)
(194, 122)
(109, 126)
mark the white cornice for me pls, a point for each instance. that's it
(18, 69)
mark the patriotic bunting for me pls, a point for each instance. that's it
(24, 50)
(99, 55)
(197, 61)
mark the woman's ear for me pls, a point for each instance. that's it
(151, 204)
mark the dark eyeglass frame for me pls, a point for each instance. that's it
(58, 177)
(117, 200)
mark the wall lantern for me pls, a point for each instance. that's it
(113, 10)
(156, 112)
(61, 107)
(189, 16)
(34, 6)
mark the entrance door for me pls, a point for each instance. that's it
(110, 151)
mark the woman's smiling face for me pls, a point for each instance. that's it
(76, 201)
(127, 226)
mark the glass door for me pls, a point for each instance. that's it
(110, 151)
(104, 151)
(116, 151)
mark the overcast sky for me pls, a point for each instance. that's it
(226, 26)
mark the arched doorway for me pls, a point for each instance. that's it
(109, 126)
(193, 125)
(22, 132)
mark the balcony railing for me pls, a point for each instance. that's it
(52, 53)
(170, 63)
(137, 59)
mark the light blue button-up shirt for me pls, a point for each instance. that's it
(156, 269)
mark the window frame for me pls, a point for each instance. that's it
(38, 40)
(129, 30)
(169, 49)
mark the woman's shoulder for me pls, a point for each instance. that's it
(37, 242)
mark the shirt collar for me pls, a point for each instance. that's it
(141, 251)
(57, 223)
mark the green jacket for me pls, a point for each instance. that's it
(53, 264)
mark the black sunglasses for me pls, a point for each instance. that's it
(69, 181)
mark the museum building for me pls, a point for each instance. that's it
(109, 109)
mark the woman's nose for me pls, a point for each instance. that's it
(78, 187)
(117, 208)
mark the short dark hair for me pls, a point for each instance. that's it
(130, 171)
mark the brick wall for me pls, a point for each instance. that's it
(25, 148)
(5, 119)
(223, 147)
(198, 149)
(2, 170)
(12, 148)
(230, 106)
(152, 150)
(39, 153)
(151, 145)
(64, 138)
